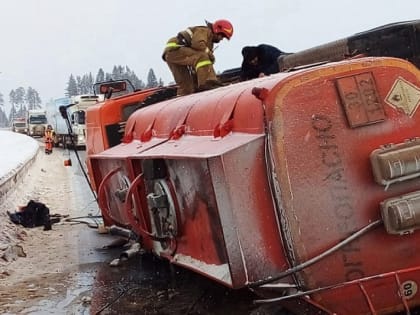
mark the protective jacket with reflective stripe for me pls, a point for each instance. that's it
(201, 39)
(190, 58)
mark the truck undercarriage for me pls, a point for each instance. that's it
(302, 186)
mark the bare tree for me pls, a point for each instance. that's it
(32, 98)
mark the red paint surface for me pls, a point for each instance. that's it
(227, 212)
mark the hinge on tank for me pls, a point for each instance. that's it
(401, 215)
(393, 163)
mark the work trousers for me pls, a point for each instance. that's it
(184, 63)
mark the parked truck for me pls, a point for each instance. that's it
(37, 122)
(77, 113)
(20, 125)
(73, 132)
(62, 135)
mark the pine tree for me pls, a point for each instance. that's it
(20, 99)
(3, 116)
(71, 89)
(118, 73)
(151, 79)
(100, 77)
(79, 85)
(130, 75)
(12, 97)
(84, 88)
(84, 84)
(89, 83)
(12, 113)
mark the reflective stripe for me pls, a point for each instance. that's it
(172, 44)
(189, 31)
(202, 64)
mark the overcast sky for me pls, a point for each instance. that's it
(44, 41)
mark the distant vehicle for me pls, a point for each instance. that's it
(20, 125)
(75, 134)
(62, 136)
(37, 122)
(77, 114)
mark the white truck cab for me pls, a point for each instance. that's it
(37, 122)
(77, 114)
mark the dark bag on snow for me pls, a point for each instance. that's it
(32, 215)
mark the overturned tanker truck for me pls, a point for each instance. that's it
(303, 186)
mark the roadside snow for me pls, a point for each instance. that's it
(17, 149)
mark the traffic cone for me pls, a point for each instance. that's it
(67, 161)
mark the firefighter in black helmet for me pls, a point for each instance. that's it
(259, 61)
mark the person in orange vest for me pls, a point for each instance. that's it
(190, 58)
(49, 139)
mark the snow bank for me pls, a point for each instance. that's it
(16, 150)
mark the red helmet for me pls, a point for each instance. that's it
(223, 27)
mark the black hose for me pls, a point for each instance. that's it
(317, 258)
(63, 111)
(93, 218)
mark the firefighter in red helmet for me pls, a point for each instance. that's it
(190, 58)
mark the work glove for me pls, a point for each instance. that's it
(211, 55)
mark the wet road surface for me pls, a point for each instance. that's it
(157, 288)
(141, 285)
(144, 284)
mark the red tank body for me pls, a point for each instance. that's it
(304, 182)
